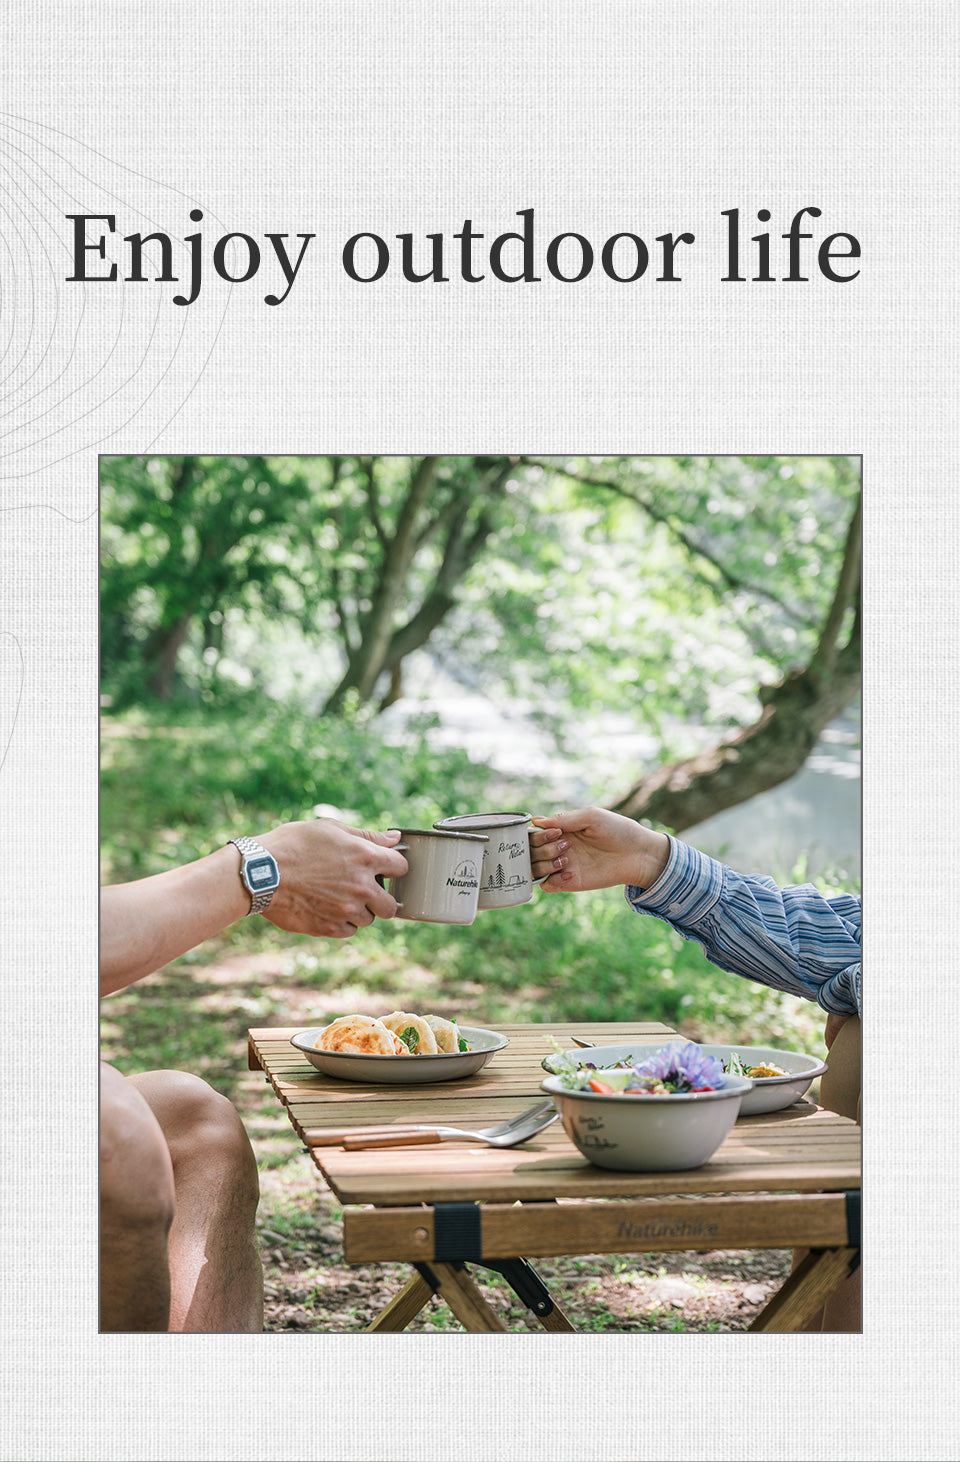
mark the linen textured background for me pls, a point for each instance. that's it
(410, 117)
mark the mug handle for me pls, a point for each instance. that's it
(399, 848)
(543, 877)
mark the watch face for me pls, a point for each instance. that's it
(261, 873)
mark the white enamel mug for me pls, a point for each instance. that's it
(506, 878)
(442, 882)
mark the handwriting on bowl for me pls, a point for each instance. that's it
(588, 1130)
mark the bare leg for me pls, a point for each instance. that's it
(216, 1278)
(840, 1084)
(840, 1092)
(136, 1210)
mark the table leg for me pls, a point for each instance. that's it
(404, 1306)
(527, 1284)
(804, 1293)
(407, 1304)
(556, 1320)
(464, 1298)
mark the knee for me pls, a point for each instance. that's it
(136, 1174)
(203, 1128)
(841, 1083)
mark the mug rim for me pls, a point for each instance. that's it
(429, 832)
(482, 819)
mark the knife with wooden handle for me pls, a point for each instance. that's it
(338, 1137)
(357, 1141)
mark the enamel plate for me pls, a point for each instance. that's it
(403, 1070)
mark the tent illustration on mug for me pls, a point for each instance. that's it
(498, 879)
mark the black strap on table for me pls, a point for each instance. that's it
(457, 1239)
(852, 1199)
(428, 1276)
(456, 1231)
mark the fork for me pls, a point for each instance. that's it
(504, 1134)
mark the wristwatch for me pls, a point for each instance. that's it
(258, 872)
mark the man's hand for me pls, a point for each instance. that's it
(594, 848)
(329, 877)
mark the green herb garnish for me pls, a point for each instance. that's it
(410, 1038)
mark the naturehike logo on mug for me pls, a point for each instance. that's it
(464, 877)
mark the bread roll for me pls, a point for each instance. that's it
(445, 1033)
(400, 1020)
(360, 1035)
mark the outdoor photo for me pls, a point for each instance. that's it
(480, 919)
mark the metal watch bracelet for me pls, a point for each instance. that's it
(250, 848)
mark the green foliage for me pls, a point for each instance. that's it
(667, 589)
(184, 541)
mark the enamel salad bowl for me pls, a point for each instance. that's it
(648, 1132)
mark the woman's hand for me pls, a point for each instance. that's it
(595, 848)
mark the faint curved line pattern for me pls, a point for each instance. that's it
(17, 187)
(26, 255)
(48, 507)
(193, 386)
(55, 294)
(122, 384)
(87, 361)
(7, 283)
(83, 294)
(89, 381)
(6, 634)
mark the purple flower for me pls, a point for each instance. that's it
(679, 1067)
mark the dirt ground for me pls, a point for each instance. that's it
(688, 1292)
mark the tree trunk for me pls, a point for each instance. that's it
(776, 746)
(366, 665)
(756, 759)
(461, 536)
(395, 688)
(166, 640)
(162, 653)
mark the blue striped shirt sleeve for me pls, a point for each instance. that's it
(794, 939)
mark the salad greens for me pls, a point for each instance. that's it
(673, 1069)
(736, 1067)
